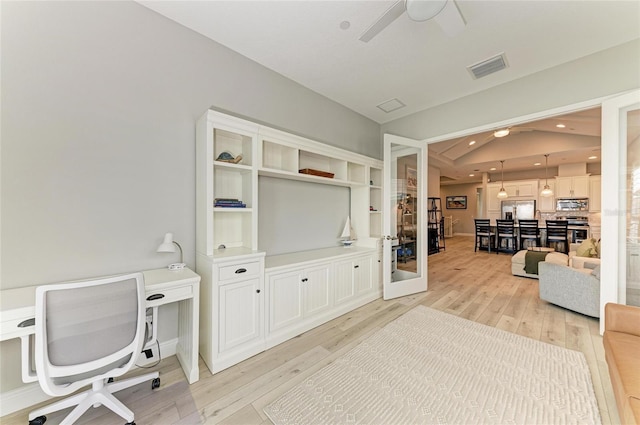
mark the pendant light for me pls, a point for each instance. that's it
(546, 191)
(503, 193)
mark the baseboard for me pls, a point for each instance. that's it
(31, 394)
(463, 234)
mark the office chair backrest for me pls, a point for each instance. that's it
(87, 331)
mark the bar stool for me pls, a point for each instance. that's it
(506, 232)
(557, 233)
(483, 230)
(529, 232)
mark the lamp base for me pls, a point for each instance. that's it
(176, 266)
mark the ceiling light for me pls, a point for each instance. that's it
(420, 10)
(471, 175)
(546, 191)
(593, 157)
(492, 169)
(471, 143)
(345, 25)
(501, 133)
(503, 193)
(537, 163)
(560, 125)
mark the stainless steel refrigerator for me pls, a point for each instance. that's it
(518, 210)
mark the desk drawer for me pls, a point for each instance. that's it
(239, 271)
(161, 297)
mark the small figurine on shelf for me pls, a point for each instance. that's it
(227, 157)
(348, 235)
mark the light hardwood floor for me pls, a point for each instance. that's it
(477, 286)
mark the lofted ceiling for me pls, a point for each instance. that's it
(316, 43)
(525, 146)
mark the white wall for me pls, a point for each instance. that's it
(99, 103)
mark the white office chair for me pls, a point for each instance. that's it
(87, 333)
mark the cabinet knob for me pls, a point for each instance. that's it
(241, 271)
(305, 279)
(356, 266)
(257, 291)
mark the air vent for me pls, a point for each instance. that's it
(488, 66)
(391, 105)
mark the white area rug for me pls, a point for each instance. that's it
(430, 367)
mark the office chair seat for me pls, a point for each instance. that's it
(88, 333)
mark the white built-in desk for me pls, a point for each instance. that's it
(162, 286)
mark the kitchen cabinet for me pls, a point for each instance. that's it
(516, 190)
(595, 193)
(572, 187)
(547, 204)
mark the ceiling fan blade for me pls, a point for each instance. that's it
(387, 18)
(450, 19)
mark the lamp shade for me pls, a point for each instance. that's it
(422, 10)
(167, 245)
(546, 191)
(502, 194)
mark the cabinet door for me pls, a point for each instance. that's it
(362, 275)
(511, 189)
(376, 276)
(344, 289)
(317, 294)
(528, 189)
(581, 186)
(493, 203)
(548, 204)
(563, 187)
(240, 313)
(595, 193)
(285, 299)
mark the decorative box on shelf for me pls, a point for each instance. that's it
(313, 172)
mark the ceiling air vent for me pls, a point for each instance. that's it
(488, 66)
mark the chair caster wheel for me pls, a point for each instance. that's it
(38, 421)
(155, 383)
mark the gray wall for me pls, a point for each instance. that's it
(99, 103)
(601, 74)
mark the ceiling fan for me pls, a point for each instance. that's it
(444, 12)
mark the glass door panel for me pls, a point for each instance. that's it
(404, 195)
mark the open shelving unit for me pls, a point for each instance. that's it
(435, 226)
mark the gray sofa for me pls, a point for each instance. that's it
(571, 288)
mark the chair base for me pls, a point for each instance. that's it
(100, 394)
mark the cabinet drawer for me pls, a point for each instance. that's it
(161, 297)
(238, 271)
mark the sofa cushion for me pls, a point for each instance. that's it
(587, 248)
(596, 272)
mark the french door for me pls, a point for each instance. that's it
(405, 195)
(620, 274)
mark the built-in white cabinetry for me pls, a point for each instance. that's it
(572, 187)
(493, 203)
(353, 278)
(296, 295)
(595, 193)
(232, 306)
(240, 314)
(306, 289)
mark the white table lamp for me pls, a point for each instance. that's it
(169, 245)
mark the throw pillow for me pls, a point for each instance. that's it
(587, 248)
(596, 272)
(598, 248)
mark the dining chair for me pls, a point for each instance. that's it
(557, 233)
(484, 231)
(506, 232)
(529, 233)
